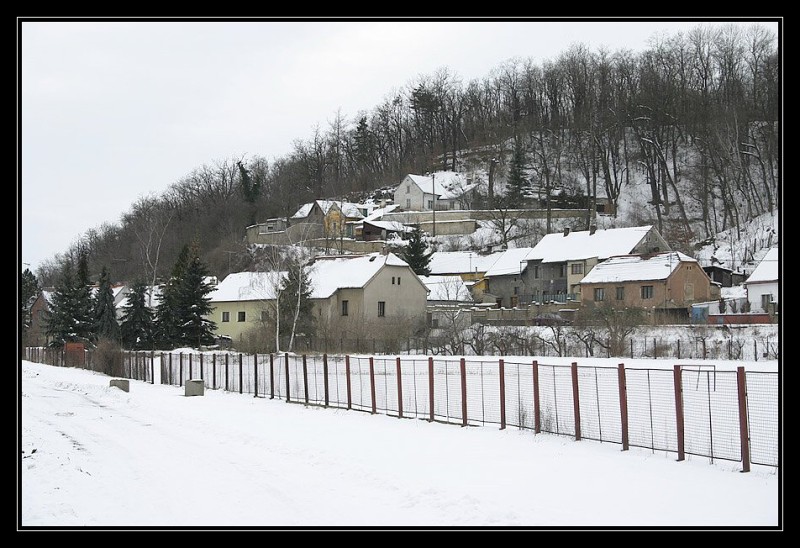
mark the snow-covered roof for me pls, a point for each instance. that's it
(604, 243)
(446, 288)
(349, 209)
(391, 225)
(767, 270)
(509, 262)
(631, 268)
(445, 184)
(347, 271)
(459, 262)
(376, 214)
(152, 295)
(247, 286)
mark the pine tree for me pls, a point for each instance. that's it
(417, 253)
(136, 327)
(84, 320)
(167, 333)
(194, 309)
(104, 310)
(60, 324)
(517, 186)
(29, 289)
(295, 304)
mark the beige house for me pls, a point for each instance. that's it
(666, 284)
(371, 295)
(442, 190)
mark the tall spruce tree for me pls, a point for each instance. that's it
(29, 290)
(136, 326)
(83, 308)
(167, 332)
(59, 323)
(194, 306)
(517, 186)
(417, 253)
(105, 311)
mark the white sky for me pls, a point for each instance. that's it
(97, 456)
(113, 111)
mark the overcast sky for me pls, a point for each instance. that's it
(113, 111)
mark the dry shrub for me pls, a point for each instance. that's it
(108, 358)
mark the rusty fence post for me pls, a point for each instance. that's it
(463, 367)
(255, 374)
(325, 376)
(576, 404)
(227, 374)
(271, 377)
(214, 370)
(305, 379)
(430, 386)
(241, 379)
(201, 367)
(152, 367)
(347, 381)
(537, 415)
(372, 384)
(286, 360)
(679, 411)
(743, 431)
(623, 405)
(399, 389)
(502, 371)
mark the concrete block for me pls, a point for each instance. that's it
(194, 387)
(122, 384)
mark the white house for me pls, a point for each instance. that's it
(442, 190)
(762, 285)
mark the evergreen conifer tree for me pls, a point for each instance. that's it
(517, 186)
(417, 253)
(60, 324)
(105, 311)
(136, 326)
(167, 332)
(29, 290)
(83, 304)
(194, 308)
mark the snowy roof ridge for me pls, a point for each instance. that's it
(586, 244)
(636, 267)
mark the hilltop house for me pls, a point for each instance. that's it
(441, 190)
(763, 292)
(664, 284)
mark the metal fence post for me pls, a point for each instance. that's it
(679, 411)
(537, 415)
(191, 376)
(180, 369)
(305, 379)
(286, 360)
(372, 384)
(576, 401)
(430, 386)
(255, 374)
(399, 389)
(623, 405)
(214, 371)
(325, 378)
(347, 380)
(502, 394)
(463, 392)
(201, 367)
(240, 373)
(743, 432)
(227, 375)
(271, 377)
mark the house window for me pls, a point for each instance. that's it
(398, 280)
(226, 316)
(647, 292)
(344, 308)
(408, 189)
(765, 300)
(381, 309)
(562, 271)
(577, 268)
(408, 203)
(620, 293)
(516, 290)
(536, 271)
(430, 204)
(240, 316)
(392, 280)
(599, 294)
(264, 315)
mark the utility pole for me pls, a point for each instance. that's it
(433, 191)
